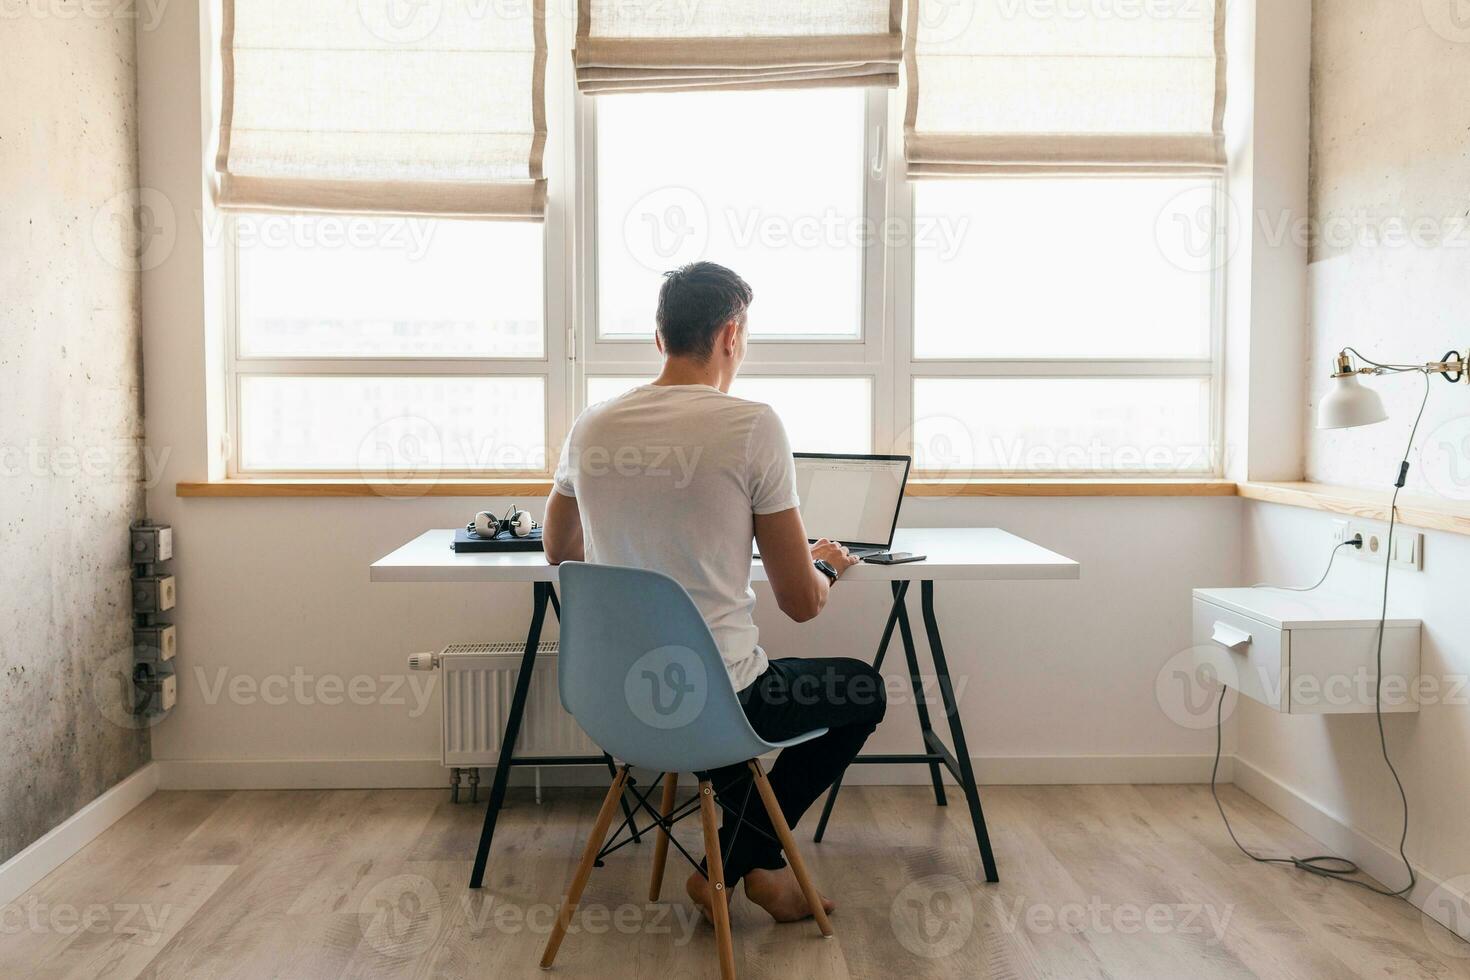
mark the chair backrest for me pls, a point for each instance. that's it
(640, 672)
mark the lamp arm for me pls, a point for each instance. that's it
(1453, 366)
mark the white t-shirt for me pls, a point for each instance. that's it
(669, 478)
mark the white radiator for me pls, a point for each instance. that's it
(478, 682)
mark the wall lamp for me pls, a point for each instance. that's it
(1350, 404)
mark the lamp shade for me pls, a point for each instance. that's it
(1348, 404)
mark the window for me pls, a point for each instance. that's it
(404, 347)
(775, 184)
(1064, 326)
(821, 415)
(769, 183)
(993, 327)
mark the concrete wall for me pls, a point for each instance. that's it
(70, 409)
(1391, 276)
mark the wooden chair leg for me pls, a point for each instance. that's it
(788, 844)
(661, 842)
(715, 866)
(584, 870)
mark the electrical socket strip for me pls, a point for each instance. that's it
(1408, 545)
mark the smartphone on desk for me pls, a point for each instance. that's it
(894, 558)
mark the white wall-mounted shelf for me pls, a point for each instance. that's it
(1306, 653)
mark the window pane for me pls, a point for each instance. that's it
(356, 286)
(1063, 425)
(1116, 268)
(821, 415)
(403, 426)
(767, 183)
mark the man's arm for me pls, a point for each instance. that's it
(801, 591)
(561, 532)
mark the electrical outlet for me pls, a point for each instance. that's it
(1408, 546)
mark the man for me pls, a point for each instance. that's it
(677, 476)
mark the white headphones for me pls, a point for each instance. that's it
(516, 522)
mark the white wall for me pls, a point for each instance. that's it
(1390, 275)
(1054, 671)
(1332, 767)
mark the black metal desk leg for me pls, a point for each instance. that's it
(957, 732)
(542, 591)
(897, 613)
(916, 681)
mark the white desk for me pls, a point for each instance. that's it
(971, 554)
(955, 554)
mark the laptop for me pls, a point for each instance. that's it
(853, 500)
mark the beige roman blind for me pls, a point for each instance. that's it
(383, 107)
(1057, 86)
(736, 44)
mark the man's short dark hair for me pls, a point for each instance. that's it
(694, 302)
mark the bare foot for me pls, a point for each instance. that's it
(779, 894)
(699, 890)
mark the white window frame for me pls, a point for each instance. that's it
(550, 365)
(910, 369)
(882, 354)
(864, 356)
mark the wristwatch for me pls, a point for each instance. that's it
(826, 569)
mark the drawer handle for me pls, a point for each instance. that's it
(1231, 638)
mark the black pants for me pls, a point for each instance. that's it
(792, 697)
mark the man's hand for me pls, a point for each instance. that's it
(833, 554)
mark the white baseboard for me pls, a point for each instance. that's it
(78, 830)
(302, 774)
(1374, 857)
(429, 774)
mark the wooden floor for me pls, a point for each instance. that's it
(1115, 881)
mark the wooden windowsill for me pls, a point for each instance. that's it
(530, 488)
(1414, 510)
(1427, 513)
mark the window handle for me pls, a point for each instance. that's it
(879, 160)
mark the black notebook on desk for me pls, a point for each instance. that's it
(468, 542)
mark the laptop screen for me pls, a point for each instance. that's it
(851, 499)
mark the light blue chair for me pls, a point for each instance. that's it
(641, 673)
